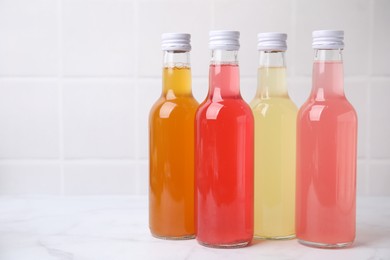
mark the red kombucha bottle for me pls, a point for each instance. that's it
(224, 152)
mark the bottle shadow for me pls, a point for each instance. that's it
(262, 242)
(367, 235)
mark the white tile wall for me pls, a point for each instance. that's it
(380, 178)
(97, 37)
(248, 88)
(352, 16)
(29, 119)
(158, 16)
(200, 88)
(98, 118)
(381, 36)
(299, 89)
(100, 178)
(29, 44)
(35, 178)
(362, 184)
(379, 116)
(149, 91)
(356, 91)
(143, 177)
(250, 18)
(78, 78)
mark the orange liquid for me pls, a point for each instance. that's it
(171, 183)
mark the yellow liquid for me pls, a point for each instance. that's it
(275, 135)
(171, 184)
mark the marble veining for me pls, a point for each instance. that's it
(116, 228)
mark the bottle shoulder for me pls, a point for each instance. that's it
(273, 105)
(315, 110)
(230, 107)
(331, 104)
(185, 101)
(180, 106)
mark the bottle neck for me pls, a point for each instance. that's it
(328, 75)
(271, 75)
(224, 75)
(176, 74)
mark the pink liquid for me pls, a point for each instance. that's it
(326, 161)
(224, 163)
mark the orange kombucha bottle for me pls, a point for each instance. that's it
(171, 145)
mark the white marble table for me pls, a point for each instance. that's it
(115, 228)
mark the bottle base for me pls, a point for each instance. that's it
(225, 246)
(324, 245)
(185, 237)
(288, 237)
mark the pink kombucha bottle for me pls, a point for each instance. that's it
(326, 152)
(224, 152)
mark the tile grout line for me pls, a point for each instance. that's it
(60, 99)
(293, 38)
(136, 94)
(127, 160)
(368, 92)
(71, 161)
(70, 77)
(48, 78)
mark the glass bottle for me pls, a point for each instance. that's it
(275, 123)
(326, 152)
(171, 143)
(224, 152)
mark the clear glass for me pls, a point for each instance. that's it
(224, 159)
(271, 75)
(326, 159)
(171, 152)
(275, 123)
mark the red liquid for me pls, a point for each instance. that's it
(224, 163)
(326, 161)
